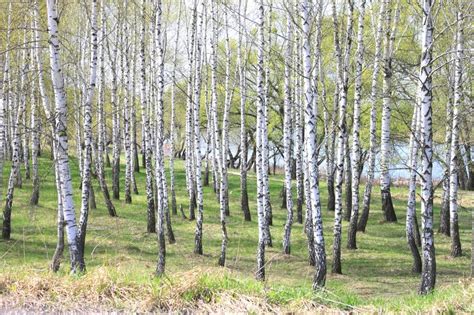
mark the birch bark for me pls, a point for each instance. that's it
(373, 121)
(428, 274)
(456, 250)
(311, 151)
(355, 165)
(61, 136)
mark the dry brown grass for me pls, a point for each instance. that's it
(99, 291)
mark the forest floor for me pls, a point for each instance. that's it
(121, 259)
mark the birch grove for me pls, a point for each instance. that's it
(230, 103)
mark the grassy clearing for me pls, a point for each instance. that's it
(121, 259)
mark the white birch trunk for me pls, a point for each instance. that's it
(298, 123)
(223, 193)
(16, 145)
(411, 204)
(101, 143)
(160, 215)
(61, 135)
(387, 204)
(173, 117)
(244, 198)
(127, 109)
(261, 205)
(428, 275)
(288, 104)
(456, 250)
(55, 264)
(355, 154)
(86, 171)
(373, 121)
(311, 152)
(197, 136)
(146, 135)
(343, 69)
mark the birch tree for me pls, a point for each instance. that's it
(373, 119)
(355, 153)
(387, 204)
(223, 188)
(264, 134)
(261, 193)
(48, 111)
(428, 274)
(244, 198)
(61, 137)
(311, 151)
(86, 171)
(101, 126)
(160, 212)
(4, 99)
(35, 140)
(287, 135)
(16, 145)
(197, 137)
(113, 60)
(411, 204)
(173, 113)
(127, 107)
(189, 140)
(298, 123)
(456, 250)
(342, 70)
(444, 212)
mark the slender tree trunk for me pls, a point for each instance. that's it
(15, 168)
(311, 151)
(61, 136)
(355, 165)
(287, 136)
(261, 202)
(244, 198)
(160, 215)
(347, 178)
(101, 144)
(173, 116)
(222, 193)
(147, 145)
(56, 261)
(343, 64)
(34, 123)
(264, 135)
(34, 126)
(26, 141)
(224, 187)
(444, 213)
(197, 136)
(86, 171)
(373, 121)
(190, 178)
(387, 204)
(456, 250)
(135, 167)
(428, 275)
(410, 224)
(58, 252)
(115, 121)
(127, 109)
(299, 147)
(5, 99)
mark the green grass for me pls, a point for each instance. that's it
(121, 254)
